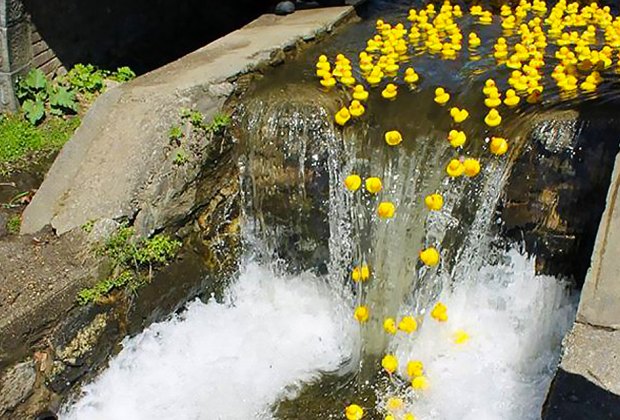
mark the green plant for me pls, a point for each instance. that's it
(129, 256)
(175, 133)
(13, 225)
(180, 157)
(196, 119)
(86, 78)
(219, 123)
(35, 92)
(88, 226)
(19, 137)
(123, 74)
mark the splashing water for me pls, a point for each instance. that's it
(229, 360)
(515, 322)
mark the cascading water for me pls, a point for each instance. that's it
(284, 343)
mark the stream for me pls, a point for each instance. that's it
(283, 342)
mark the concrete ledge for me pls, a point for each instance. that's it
(118, 163)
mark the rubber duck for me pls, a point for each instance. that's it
(489, 86)
(373, 185)
(498, 146)
(473, 40)
(359, 93)
(389, 325)
(588, 85)
(441, 96)
(472, 167)
(460, 337)
(386, 210)
(456, 138)
(455, 168)
(389, 363)
(511, 99)
(356, 109)
(513, 62)
(354, 412)
(521, 84)
(389, 92)
(456, 11)
(440, 312)
(408, 324)
(342, 116)
(415, 368)
(509, 22)
(493, 100)
(391, 67)
(447, 51)
(411, 76)
(429, 256)
(347, 78)
(375, 76)
(409, 416)
(361, 314)
(419, 383)
(475, 10)
(353, 182)
(322, 67)
(393, 138)
(366, 65)
(458, 115)
(486, 18)
(328, 80)
(360, 273)
(493, 119)
(434, 201)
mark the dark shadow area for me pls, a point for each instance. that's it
(142, 34)
(573, 397)
(557, 190)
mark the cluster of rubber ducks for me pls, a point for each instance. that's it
(528, 29)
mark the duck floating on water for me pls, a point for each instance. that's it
(420, 383)
(360, 273)
(441, 96)
(361, 314)
(356, 109)
(389, 325)
(389, 92)
(498, 146)
(389, 363)
(493, 119)
(511, 99)
(393, 138)
(359, 93)
(456, 138)
(411, 76)
(343, 116)
(471, 167)
(440, 312)
(415, 368)
(354, 412)
(460, 337)
(408, 324)
(455, 168)
(458, 115)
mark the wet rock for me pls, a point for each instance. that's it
(17, 385)
(285, 8)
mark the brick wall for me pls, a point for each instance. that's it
(43, 57)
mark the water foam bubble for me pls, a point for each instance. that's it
(229, 360)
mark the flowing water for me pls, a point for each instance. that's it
(283, 342)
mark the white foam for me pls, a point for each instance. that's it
(228, 360)
(516, 321)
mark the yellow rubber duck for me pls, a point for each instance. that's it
(353, 182)
(486, 18)
(588, 85)
(429, 256)
(394, 404)
(411, 76)
(455, 168)
(391, 67)
(356, 109)
(489, 86)
(460, 337)
(393, 138)
(389, 325)
(415, 368)
(419, 383)
(354, 412)
(322, 68)
(361, 314)
(347, 78)
(456, 138)
(328, 81)
(375, 76)
(373, 185)
(322, 62)
(360, 273)
(359, 93)
(408, 324)
(521, 84)
(493, 100)
(389, 92)
(473, 40)
(409, 416)
(386, 210)
(389, 363)
(472, 167)
(458, 115)
(511, 99)
(475, 10)
(342, 116)
(493, 119)
(513, 62)
(441, 96)
(434, 201)
(498, 146)
(440, 312)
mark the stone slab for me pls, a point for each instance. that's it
(116, 161)
(600, 297)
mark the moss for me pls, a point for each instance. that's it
(13, 225)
